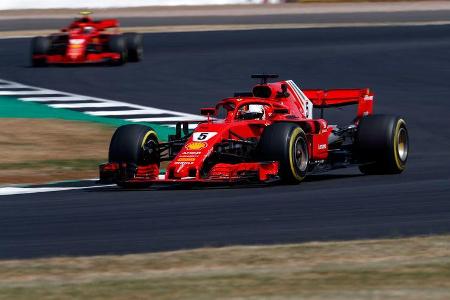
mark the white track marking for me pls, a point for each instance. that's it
(37, 92)
(86, 105)
(163, 119)
(6, 191)
(126, 112)
(12, 86)
(64, 98)
(129, 109)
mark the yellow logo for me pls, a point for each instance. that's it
(196, 145)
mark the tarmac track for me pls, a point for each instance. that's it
(407, 67)
(319, 18)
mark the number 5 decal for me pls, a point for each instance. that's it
(203, 136)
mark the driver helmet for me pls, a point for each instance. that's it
(253, 111)
(88, 29)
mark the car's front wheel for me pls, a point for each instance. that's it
(135, 145)
(135, 46)
(40, 45)
(117, 44)
(287, 144)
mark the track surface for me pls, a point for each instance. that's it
(407, 67)
(321, 18)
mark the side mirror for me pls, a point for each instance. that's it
(208, 111)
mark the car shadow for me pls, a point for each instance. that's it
(203, 186)
(321, 177)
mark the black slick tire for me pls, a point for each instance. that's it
(40, 45)
(134, 145)
(287, 144)
(117, 44)
(135, 46)
(382, 144)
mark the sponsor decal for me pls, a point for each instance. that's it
(322, 146)
(186, 159)
(202, 136)
(196, 145)
(183, 163)
(190, 153)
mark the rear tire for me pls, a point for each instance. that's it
(40, 45)
(382, 144)
(117, 44)
(134, 145)
(287, 144)
(135, 46)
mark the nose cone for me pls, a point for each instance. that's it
(76, 48)
(192, 156)
(189, 160)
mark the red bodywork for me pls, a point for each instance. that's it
(83, 41)
(283, 102)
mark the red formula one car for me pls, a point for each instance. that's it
(265, 135)
(87, 41)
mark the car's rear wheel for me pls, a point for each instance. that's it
(40, 45)
(382, 144)
(135, 46)
(287, 144)
(117, 44)
(135, 145)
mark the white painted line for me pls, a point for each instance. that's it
(12, 86)
(38, 92)
(165, 119)
(153, 111)
(134, 109)
(86, 105)
(64, 98)
(5, 191)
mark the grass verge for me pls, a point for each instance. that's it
(43, 150)
(407, 268)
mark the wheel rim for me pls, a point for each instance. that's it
(402, 147)
(301, 154)
(150, 151)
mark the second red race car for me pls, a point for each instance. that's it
(265, 135)
(87, 41)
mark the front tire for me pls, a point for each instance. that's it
(40, 45)
(382, 144)
(134, 145)
(135, 46)
(287, 144)
(117, 44)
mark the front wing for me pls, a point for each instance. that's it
(219, 173)
(86, 59)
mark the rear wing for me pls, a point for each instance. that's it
(341, 97)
